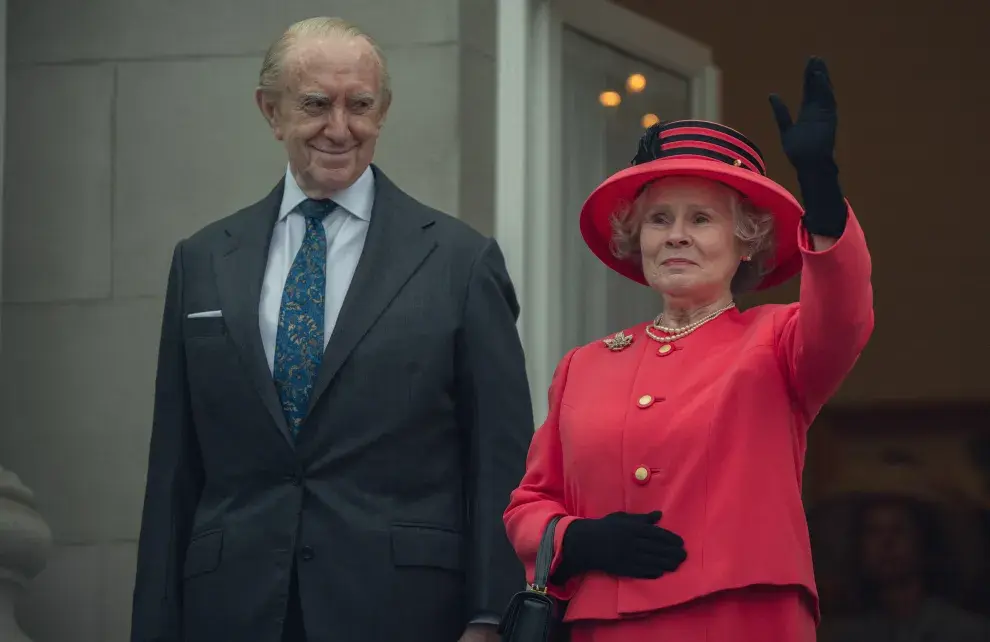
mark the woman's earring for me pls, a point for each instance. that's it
(746, 258)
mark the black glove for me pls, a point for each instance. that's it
(810, 144)
(619, 544)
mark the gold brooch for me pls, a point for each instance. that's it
(618, 341)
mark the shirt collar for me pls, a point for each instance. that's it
(357, 199)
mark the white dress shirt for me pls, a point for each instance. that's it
(346, 228)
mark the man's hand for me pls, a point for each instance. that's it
(480, 633)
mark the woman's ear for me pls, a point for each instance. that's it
(744, 250)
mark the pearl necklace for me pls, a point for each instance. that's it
(679, 333)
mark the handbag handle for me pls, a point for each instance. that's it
(544, 557)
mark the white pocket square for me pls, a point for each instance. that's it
(209, 314)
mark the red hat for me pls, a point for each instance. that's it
(705, 150)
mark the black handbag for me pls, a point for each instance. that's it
(532, 614)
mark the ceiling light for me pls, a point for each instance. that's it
(610, 98)
(636, 83)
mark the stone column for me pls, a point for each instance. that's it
(25, 541)
(3, 121)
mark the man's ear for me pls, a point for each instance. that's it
(384, 105)
(268, 106)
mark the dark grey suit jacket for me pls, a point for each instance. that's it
(390, 500)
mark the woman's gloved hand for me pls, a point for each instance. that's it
(619, 544)
(809, 145)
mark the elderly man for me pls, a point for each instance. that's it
(341, 406)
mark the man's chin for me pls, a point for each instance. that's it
(332, 179)
(331, 163)
(332, 173)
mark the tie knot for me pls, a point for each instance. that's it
(318, 209)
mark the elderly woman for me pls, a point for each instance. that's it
(672, 453)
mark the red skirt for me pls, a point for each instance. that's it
(754, 614)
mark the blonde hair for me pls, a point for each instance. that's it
(320, 27)
(754, 229)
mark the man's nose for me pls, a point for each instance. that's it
(336, 125)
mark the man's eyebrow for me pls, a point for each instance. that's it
(313, 97)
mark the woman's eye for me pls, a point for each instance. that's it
(700, 219)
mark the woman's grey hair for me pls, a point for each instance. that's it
(754, 229)
(323, 27)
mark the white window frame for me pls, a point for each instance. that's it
(528, 134)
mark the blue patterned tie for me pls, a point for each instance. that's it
(299, 342)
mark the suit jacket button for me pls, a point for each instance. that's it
(645, 401)
(642, 474)
(307, 553)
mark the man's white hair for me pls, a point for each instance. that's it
(321, 27)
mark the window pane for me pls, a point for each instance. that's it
(600, 139)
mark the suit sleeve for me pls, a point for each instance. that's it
(540, 496)
(820, 339)
(173, 483)
(496, 414)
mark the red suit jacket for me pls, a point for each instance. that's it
(712, 433)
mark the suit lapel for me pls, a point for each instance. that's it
(240, 268)
(397, 244)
